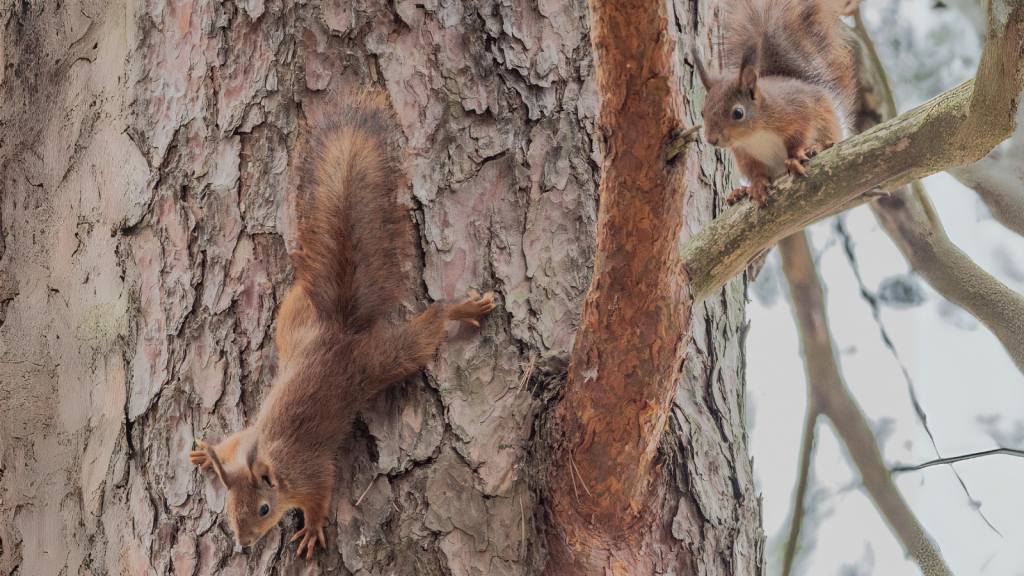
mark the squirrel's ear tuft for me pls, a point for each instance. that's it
(218, 467)
(704, 78)
(259, 469)
(748, 71)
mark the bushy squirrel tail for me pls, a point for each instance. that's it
(353, 234)
(802, 39)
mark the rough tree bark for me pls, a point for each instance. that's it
(146, 165)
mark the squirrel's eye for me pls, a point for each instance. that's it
(737, 114)
(264, 510)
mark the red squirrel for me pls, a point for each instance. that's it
(336, 348)
(788, 90)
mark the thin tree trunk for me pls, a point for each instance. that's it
(147, 165)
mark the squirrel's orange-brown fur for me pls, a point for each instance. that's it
(788, 89)
(336, 348)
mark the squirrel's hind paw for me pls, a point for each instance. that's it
(200, 457)
(736, 195)
(472, 308)
(758, 194)
(818, 148)
(794, 167)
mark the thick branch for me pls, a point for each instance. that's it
(999, 179)
(829, 392)
(910, 220)
(631, 339)
(954, 129)
(1001, 188)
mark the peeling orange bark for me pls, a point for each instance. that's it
(636, 317)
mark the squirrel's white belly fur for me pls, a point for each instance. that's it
(767, 147)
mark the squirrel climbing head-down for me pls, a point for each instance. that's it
(254, 503)
(336, 346)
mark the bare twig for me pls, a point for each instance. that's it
(831, 395)
(872, 302)
(366, 491)
(527, 372)
(955, 459)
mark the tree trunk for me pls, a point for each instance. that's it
(147, 167)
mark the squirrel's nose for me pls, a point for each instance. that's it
(713, 140)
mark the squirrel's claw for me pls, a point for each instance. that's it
(200, 459)
(309, 540)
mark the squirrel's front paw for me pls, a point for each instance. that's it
(473, 307)
(200, 457)
(311, 533)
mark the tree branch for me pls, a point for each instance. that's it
(910, 220)
(999, 179)
(631, 340)
(955, 459)
(796, 520)
(954, 129)
(829, 392)
(999, 187)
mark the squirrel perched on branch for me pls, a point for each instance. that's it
(788, 90)
(336, 348)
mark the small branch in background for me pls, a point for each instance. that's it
(830, 394)
(796, 520)
(847, 243)
(999, 188)
(910, 220)
(876, 313)
(955, 459)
